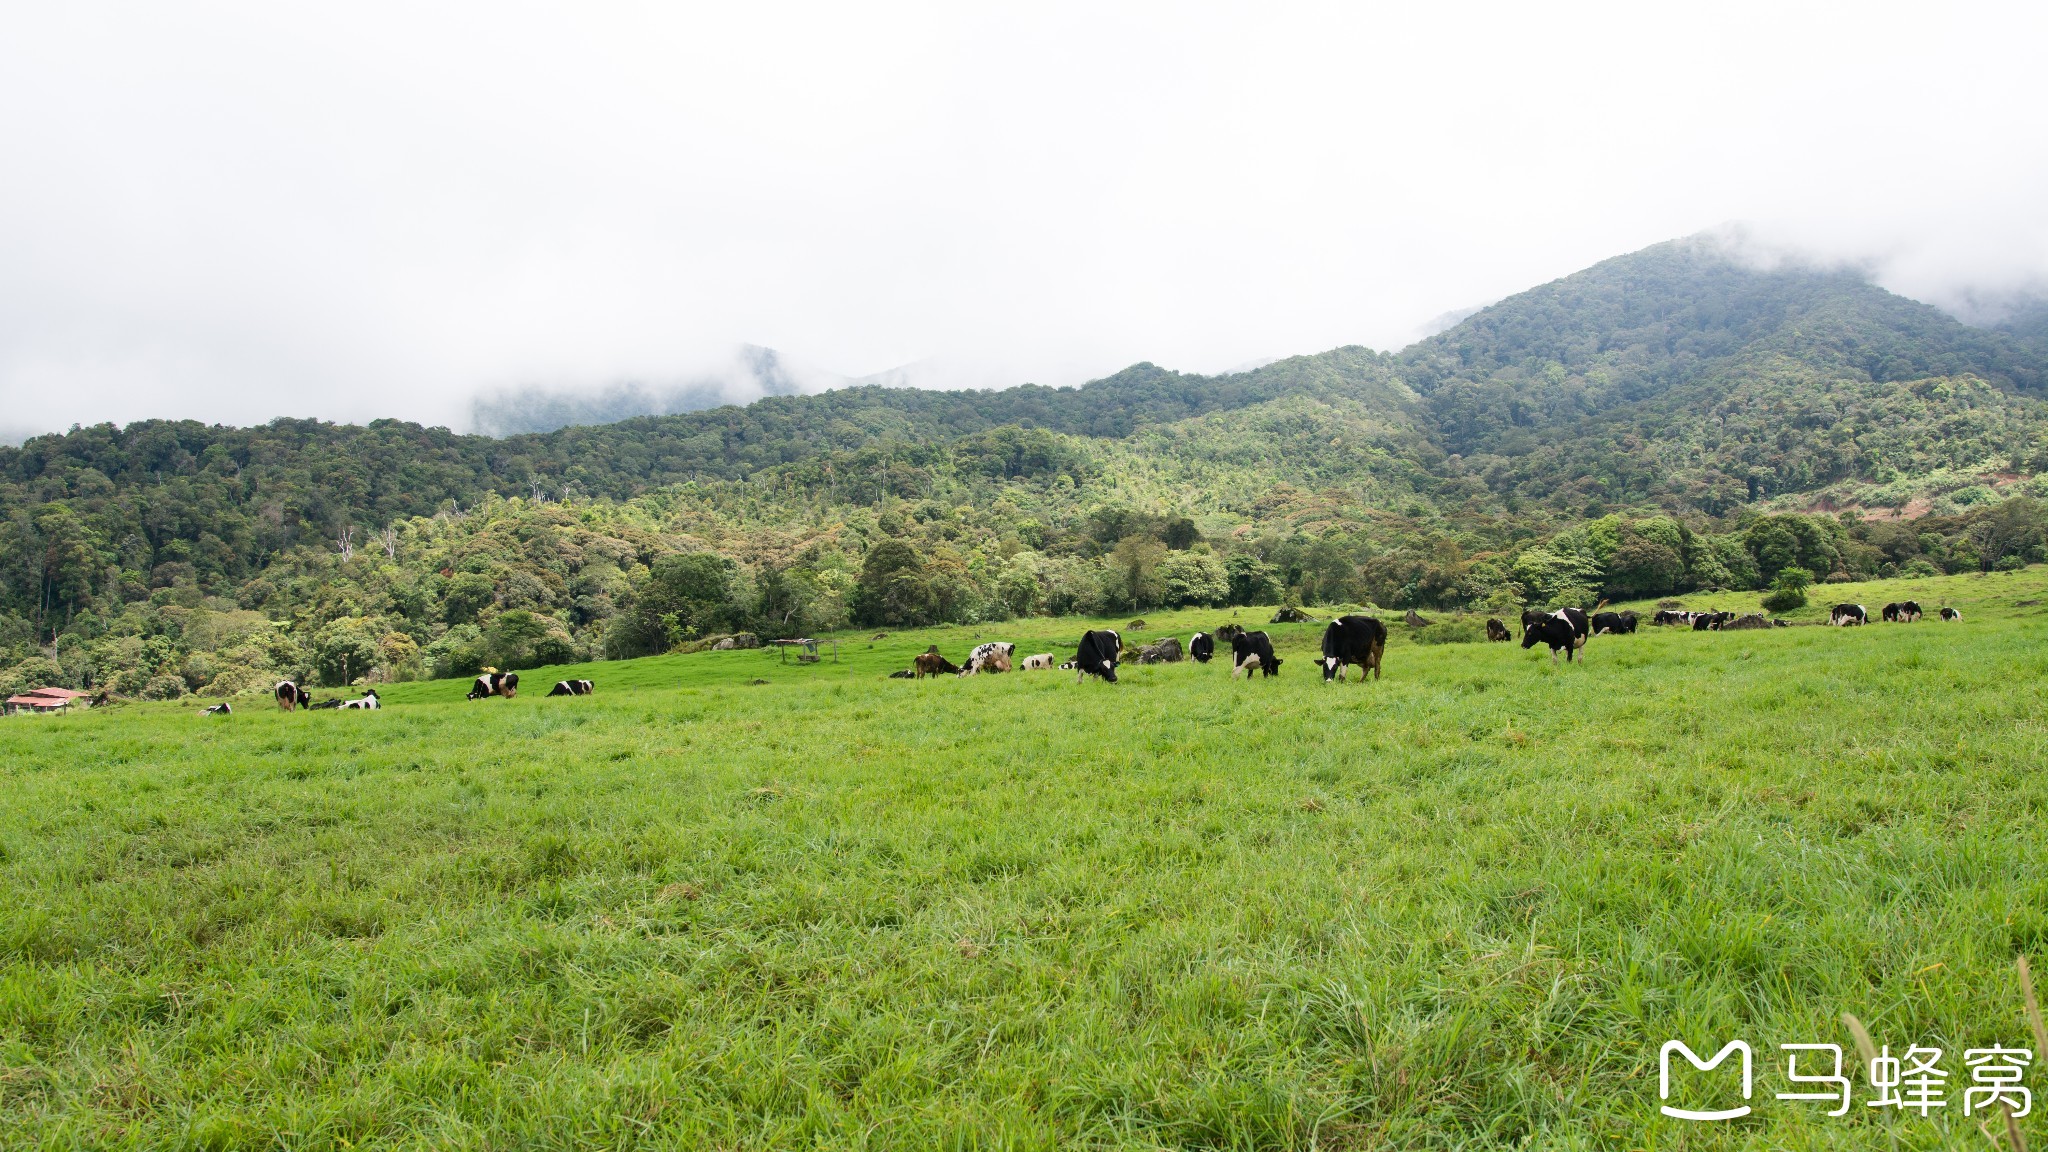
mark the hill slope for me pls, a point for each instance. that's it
(1628, 430)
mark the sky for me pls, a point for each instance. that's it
(234, 212)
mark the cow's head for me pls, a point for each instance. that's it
(1332, 668)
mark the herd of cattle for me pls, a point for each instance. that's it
(1361, 641)
(1348, 641)
(292, 696)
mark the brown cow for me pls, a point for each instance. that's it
(933, 664)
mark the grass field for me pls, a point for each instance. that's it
(1461, 907)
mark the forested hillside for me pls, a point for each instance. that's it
(1665, 421)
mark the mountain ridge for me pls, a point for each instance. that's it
(1638, 428)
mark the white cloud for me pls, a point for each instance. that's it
(240, 211)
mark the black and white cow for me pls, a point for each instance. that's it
(572, 688)
(1614, 623)
(1496, 631)
(1848, 615)
(368, 703)
(982, 658)
(220, 709)
(489, 684)
(1890, 613)
(1201, 647)
(1253, 652)
(1951, 614)
(1558, 630)
(1710, 621)
(1359, 640)
(1098, 654)
(290, 695)
(1668, 616)
(1909, 611)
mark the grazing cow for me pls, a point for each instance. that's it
(220, 709)
(1710, 621)
(1891, 613)
(992, 663)
(1349, 640)
(1559, 631)
(1576, 618)
(933, 664)
(1253, 651)
(982, 654)
(1038, 663)
(1497, 631)
(1909, 611)
(367, 703)
(290, 695)
(1848, 615)
(504, 684)
(1614, 623)
(1097, 656)
(572, 688)
(1951, 614)
(1201, 647)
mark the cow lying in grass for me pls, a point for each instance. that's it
(489, 684)
(1614, 623)
(367, 703)
(572, 688)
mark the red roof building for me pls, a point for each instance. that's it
(43, 700)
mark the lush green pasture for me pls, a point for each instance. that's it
(1460, 907)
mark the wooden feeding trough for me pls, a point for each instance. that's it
(806, 649)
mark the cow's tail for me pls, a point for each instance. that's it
(1379, 649)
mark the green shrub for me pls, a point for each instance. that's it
(1452, 630)
(1784, 600)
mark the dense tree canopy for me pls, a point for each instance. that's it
(1663, 422)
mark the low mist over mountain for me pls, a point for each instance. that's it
(749, 375)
